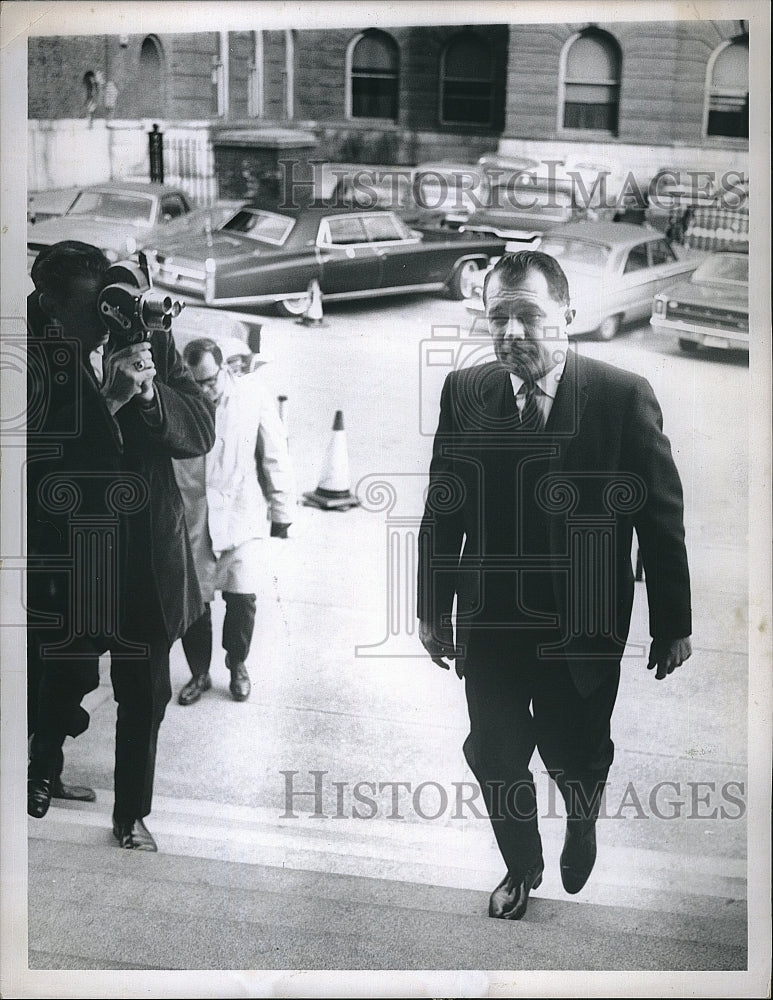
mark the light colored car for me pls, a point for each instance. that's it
(711, 308)
(614, 270)
(122, 218)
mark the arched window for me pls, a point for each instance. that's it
(151, 77)
(728, 90)
(467, 81)
(374, 76)
(591, 82)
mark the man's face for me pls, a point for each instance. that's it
(208, 375)
(527, 325)
(78, 313)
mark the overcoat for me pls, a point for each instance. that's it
(90, 471)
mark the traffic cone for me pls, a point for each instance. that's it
(313, 315)
(333, 492)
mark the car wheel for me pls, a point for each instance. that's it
(608, 328)
(688, 345)
(460, 286)
(293, 307)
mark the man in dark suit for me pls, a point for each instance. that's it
(109, 563)
(544, 463)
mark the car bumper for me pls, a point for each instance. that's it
(715, 337)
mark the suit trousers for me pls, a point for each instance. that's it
(518, 701)
(238, 627)
(142, 690)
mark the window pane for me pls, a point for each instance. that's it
(593, 59)
(374, 97)
(466, 101)
(661, 253)
(345, 230)
(590, 116)
(469, 59)
(373, 53)
(382, 227)
(731, 69)
(637, 259)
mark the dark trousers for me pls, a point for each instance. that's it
(238, 626)
(516, 703)
(141, 688)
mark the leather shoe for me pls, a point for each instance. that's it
(510, 898)
(38, 796)
(579, 854)
(240, 680)
(194, 689)
(75, 793)
(133, 835)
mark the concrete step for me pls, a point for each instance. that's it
(93, 906)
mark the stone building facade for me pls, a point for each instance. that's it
(644, 94)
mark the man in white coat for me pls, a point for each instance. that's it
(230, 495)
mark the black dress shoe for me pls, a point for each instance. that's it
(194, 689)
(133, 835)
(75, 793)
(240, 680)
(38, 796)
(579, 854)
(510, 898)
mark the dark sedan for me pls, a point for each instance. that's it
(270, 256)
(711, 309)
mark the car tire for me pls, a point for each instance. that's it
(608, 328)
(293, 307)
(688, 345)
(460, 285)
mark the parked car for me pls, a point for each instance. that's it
(266, 256)
(711, 308)
(613, 269)
(42, 205)
(123, 218)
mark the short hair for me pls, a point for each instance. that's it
(195, 350)
(513, 267)
(58, 266)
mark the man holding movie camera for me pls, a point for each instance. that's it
(109, 567)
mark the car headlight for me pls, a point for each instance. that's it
(131, 245)
(112, 255)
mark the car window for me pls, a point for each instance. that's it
(172, 207)
(661, 253)
(637, 259)
(266, 227)
(343, 231)
(113, 205)
(383, 228)
(575, 251)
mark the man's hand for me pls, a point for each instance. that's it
(668, 654)
(438, 640)
(128, 373)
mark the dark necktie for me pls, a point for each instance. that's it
(530, 412)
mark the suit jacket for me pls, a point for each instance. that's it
(603, 468)
(90, 468)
